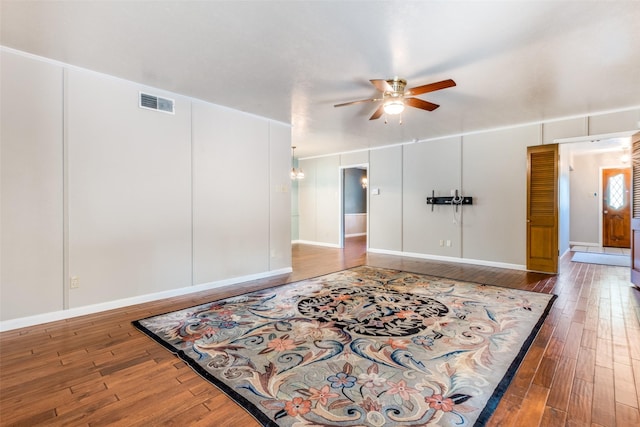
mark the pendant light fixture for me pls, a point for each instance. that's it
(296, 174)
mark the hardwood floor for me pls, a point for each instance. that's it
(583, 368)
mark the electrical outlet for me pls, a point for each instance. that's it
(74, 283)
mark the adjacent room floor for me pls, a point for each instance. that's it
(582, 369)
(601, 250)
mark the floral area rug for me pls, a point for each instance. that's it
(360, 347)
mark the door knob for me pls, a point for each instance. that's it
(606, 212)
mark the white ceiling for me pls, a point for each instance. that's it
(514, 62)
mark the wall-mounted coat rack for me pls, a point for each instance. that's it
(449, 200)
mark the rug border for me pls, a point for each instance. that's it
(501, 388)
(254, 411)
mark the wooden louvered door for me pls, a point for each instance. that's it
(542, 208)
(635, 214)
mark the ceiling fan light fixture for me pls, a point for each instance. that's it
(394, 106)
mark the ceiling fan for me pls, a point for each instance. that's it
(395, 98)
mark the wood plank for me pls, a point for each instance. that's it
(545, 372)
(562, 383)
(522, 381)
(579, 409)
(633, 334)
(604, 353)
(621, 352)
(553, 417)
(636, 376)
(506, 413)
(589, 338)
(603, 406)
(604, 327)
(586, 365)
(627, 416)
(574, 338)
(625, 387)
(533, 406)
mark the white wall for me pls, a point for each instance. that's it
(129, 178)
(564, 202)
(307, 203)
(135, 204)
(355, 224)
(295, 214)
(239, 203)
(569, 128)
(328, 193)
(229, 193)
(31, 155)
(354, 158)
(620, 121)
(432, 166)
(495, 175)
(489, 166)
(319, 201)
(385, 208)
(280, 199)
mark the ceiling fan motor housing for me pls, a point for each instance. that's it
(397, 85)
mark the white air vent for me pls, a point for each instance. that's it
(153, 102)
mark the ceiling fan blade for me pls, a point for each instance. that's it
(381, 85)
(356, 102)
(420, 103)
(378, 113)
(431, 87)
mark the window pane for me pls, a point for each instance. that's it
(616, 191)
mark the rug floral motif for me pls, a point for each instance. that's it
(361, 347)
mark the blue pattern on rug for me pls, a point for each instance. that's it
(361, 347)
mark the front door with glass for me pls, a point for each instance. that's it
(616, 207)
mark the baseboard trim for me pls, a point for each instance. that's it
(355, 234)
(308, 242)
(451, 259)
(53, 316)
(584, 244)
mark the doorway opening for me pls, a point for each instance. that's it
(574, 202)
(354, 210)
(598, 201)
